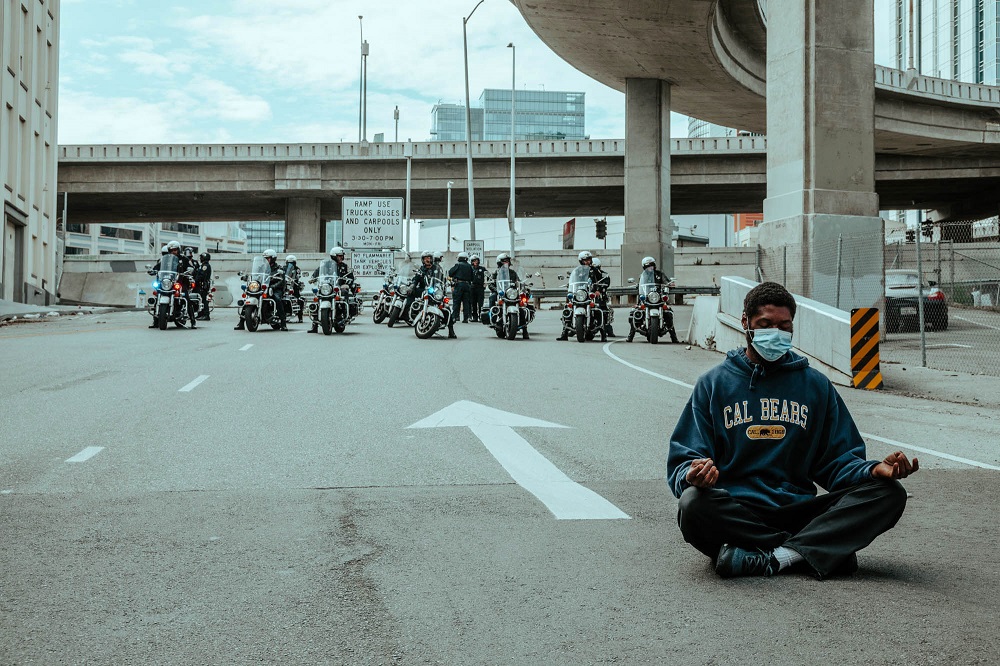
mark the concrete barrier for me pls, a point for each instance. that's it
(822, 332)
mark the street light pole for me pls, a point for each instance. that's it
(468, 125)
(395, 116)
(450, 183)
(361, 75)
(513, 81)
(364, 96)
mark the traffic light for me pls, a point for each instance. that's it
(602, 228)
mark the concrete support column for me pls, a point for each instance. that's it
(648, 228)
(303, 227)
(821, 227)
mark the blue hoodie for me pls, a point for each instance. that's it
(772, 433)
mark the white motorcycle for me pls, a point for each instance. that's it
(434, 312)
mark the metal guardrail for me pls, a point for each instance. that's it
(628, 293)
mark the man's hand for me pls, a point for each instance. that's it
(703, 473)
(895, 466)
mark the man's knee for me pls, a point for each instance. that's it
(695, 507)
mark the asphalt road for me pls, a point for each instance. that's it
(281, 509)
(970, 344)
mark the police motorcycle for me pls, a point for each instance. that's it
(512, 311)
(581, 314)
(432, 311)
(168, 302)
(398, 295)
(382, 301)
(334, 296)
(263, 293)
(651, 317)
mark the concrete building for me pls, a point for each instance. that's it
(539, 114)
(29, 76)
(147, 238)
(952, 39)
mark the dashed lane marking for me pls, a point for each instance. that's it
(245, 347)
(86, 454)
(190, 387)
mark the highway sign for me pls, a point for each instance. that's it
(372, 224)
(371, 264)
(472, 247)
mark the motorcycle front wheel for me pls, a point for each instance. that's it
(250, 318)
(511, 325)
(161, 317)
(394, 315)
(378, 315)
(425, 327)
(581, 328)
(654, 332)
(326, 321)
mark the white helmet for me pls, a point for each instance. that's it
(475, 257)
(597, 262)
(584, 255)
(502, 257)
(462, 255)
(269, 253)
(163, 250)
(438, 256)
(426, 253)
(173, 245)
(336, 251)
(647, 262)
(291, 259)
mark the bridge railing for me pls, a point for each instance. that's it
(972, 94)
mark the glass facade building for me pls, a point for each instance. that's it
(953, 39)
(538, 114)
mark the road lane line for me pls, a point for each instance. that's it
(86, 454)
(976, 323)
(608, 351)
(932, 452)
(246, 347)
(190, 387)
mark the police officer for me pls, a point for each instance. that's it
(428, 267)
(462, 275)
(479, 274)
(203, 280)
(602, 285)
(183, 265)
(294, 277)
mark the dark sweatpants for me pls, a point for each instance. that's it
(825, 530)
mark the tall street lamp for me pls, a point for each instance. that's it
(468, 125)
(361, 75)
(513, 80)
(395, 116)
(450, 183)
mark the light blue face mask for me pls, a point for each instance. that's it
(770, 343)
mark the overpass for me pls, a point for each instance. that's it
(802, 71)
(151, 183)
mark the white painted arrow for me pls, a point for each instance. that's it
(565, 498)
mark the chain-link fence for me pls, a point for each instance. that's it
(951, 323)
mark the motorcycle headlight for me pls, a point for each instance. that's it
(510, 294)
(581, 294)
(653, 297)
(166, 285)
(404, 290)
(253, 286)
(326, 289)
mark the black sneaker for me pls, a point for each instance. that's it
(733, 561)
(562, 337)
(239, 327)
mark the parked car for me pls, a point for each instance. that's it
(902, 289)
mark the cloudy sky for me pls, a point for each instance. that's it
(261, 71)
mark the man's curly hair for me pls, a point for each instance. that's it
(767, 293)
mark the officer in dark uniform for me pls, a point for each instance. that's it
(602, 284)
(479, 274)
(502, 258)
(203, 280)
(183, 265)
(276, 290)
(344, 274)
(428, 267)
(461, 275)
(661, 280)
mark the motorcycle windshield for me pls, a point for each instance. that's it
(503, 279)
(168, 268)
(327, 272)
(260, 270)
(580, 279)
(647, 282)
(435, 283)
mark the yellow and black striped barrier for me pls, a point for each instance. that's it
(864, 349)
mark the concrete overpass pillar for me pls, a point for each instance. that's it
(821, 152)
(303, 227)
(648, 227)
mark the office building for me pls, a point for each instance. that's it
(29, 77)
(147, 238)
(538, 115)
(953, 39)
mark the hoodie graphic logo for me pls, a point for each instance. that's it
(766, 432)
